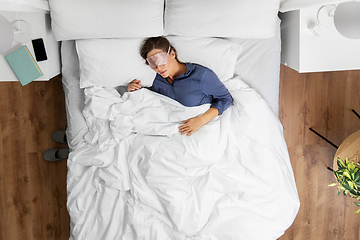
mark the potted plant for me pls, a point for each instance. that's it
(348, 177)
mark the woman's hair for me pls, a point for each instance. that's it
(156, 43)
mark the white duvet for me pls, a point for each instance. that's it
(135, 177)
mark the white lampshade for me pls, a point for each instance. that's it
(347, 19)
(6, 35)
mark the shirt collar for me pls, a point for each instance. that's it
(189, 68)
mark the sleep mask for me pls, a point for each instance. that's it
(158, 59)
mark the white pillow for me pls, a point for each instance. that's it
(225, 18)
(219, 55)
(112, 62)
(115, 62)
(82, 19)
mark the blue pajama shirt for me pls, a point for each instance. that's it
(199, 85)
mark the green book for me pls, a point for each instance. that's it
(24, 65)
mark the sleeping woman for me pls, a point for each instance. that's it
(188, 83)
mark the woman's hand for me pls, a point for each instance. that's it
(134, 85)
(193, 124)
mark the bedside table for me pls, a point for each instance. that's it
(40, 23)
(305, 52)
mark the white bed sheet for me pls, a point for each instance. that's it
(136, 177)
(259, 66)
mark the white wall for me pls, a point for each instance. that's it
(290, 5)
(24, 5)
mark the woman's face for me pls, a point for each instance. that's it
(164, 70)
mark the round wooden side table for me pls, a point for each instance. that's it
(349, 148)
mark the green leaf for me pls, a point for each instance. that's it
(351, 165)
(332, 184)
(357, 177)
(357, 211)
(347, 174)
(356, 193)
(357, 204)
(347, 187)
(340, 171)
(340, 163)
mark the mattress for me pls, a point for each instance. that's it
(119, 189)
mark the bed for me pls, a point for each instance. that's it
(131, 175)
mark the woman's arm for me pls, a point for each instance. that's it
(212, 86)
(193, 124)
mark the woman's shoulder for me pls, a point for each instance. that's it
(198, 72)
(199, 69)
(197, 66)
(205, 72)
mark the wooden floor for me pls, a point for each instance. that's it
(324, 102)
(33, 191)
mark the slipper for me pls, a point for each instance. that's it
(55, 154)
(59, 136)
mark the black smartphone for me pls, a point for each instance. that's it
(39, 49)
